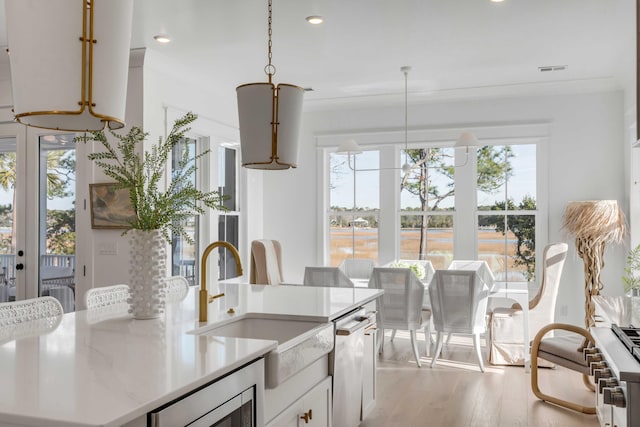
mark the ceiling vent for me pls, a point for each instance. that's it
(552, 68)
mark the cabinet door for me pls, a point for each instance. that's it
(317, 404)
(313, 409)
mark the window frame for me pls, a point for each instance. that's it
(392, 143)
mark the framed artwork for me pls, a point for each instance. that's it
(110, 207)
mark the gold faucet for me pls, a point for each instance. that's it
(205, 299)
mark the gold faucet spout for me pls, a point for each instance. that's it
(205, 299)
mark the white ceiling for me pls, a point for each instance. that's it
(457, 48)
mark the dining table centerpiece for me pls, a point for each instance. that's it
(160, 209)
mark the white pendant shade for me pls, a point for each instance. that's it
(269, 118)
(349, 146)
(59, 81)
(467, 139)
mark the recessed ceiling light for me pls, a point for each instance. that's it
(162, 38)
(497, 1)
(314, 19)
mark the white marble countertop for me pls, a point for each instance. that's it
(106, 368)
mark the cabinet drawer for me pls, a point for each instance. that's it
(313, 409)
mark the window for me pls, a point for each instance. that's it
(475, 203)
(427, 206)
(183, 251)
(353, 208)
(506, 203)
(229, 220)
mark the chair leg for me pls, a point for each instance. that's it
(448, 338)
(436, 353)
(427, 338)
(393, 334)
(476, 344)
(414, 344)
(380, 340)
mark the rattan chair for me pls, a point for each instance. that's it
(106, 296)
(177, 288)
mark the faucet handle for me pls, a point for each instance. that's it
(212, 297)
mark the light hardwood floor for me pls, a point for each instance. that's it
(455, 393)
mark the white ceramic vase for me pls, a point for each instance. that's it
(147, 273)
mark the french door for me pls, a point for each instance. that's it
(37, 214)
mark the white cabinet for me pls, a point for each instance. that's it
(313, 409)
(369, 374)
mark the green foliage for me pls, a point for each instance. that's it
(155, 209)
(631, 279)
(61, 231)
(523, 227)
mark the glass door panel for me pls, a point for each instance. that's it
(57, 218)
(183, 251)
(7, 219)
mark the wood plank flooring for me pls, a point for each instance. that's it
(454, 393)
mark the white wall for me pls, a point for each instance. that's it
(586, 161)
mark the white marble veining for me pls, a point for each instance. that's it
(105, 368)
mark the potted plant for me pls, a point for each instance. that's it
(631, 279)
(158, 211)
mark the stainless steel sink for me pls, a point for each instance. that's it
(300, 342)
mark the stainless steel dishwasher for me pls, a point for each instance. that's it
(346, 366)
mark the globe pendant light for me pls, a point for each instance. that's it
(269, 118)
(69, 62)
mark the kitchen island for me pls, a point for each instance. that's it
(103, 368)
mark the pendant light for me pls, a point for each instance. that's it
(350, 147)
(69, 62)
(269, 118)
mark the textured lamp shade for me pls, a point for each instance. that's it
(593, 223)
(60, 79)
(269, 118)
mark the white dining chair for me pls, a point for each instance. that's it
(23, 318)
(15, 312)
(459, 304)
(400, 307)
(506, 340)
(266, 262)
(357, 268)
(177, 288)
(326, 276)
(106, 296)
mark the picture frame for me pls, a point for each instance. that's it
(110, 206)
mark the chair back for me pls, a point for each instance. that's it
(357, 268)
(401, 304)
(425, 264)
(15, 312)
(479, 266)
(266, 262)
(326, 276)
(106, 296)
(177, 288)
(553, 259)
(458, 301)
